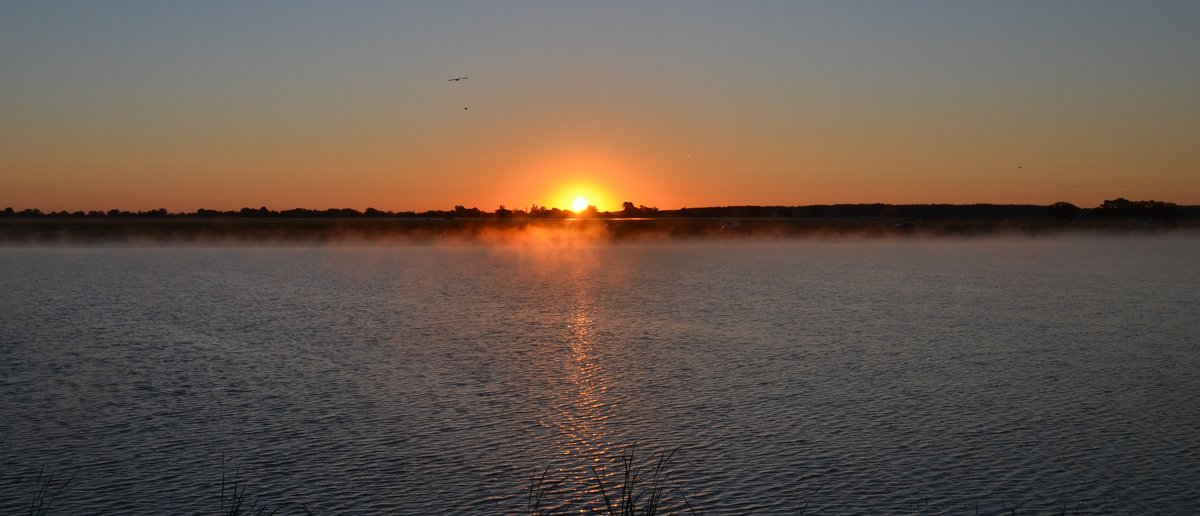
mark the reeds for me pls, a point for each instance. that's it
(639, 492)
(237, 499)
(43, 499)
(538, 489)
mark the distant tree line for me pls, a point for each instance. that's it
(1119, 208)
(1111, 209)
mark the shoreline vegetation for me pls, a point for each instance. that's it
(32, 226)
(638, 487)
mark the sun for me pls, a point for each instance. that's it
(580, 198)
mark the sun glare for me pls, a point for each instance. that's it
(578, 196)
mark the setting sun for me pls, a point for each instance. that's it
(579, 204)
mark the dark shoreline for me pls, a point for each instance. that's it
(284, 230)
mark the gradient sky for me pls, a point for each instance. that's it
(186, 104)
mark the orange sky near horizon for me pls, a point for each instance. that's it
(672, 105)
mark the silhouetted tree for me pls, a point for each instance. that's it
(251, 212)
(1063, 210)
(629, 210)
(542, 212)
(1116, 207)
(342, 213)
(1125, 208)
(460, 211)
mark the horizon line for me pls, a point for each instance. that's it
(591, 210)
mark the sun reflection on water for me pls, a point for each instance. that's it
(584, 440)
(586, 413)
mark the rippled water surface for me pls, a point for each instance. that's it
(920, 376)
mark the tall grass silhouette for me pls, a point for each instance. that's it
(637, 490)
(45, 494)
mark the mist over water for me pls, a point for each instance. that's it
(172, 231)
(931, 376)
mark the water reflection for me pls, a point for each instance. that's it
(585, 413)
(584, 440)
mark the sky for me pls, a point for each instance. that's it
(285, 104)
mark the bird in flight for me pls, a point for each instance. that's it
(455, 79)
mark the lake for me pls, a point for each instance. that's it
(838, 376)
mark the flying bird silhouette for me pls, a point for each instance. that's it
(455, 79)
